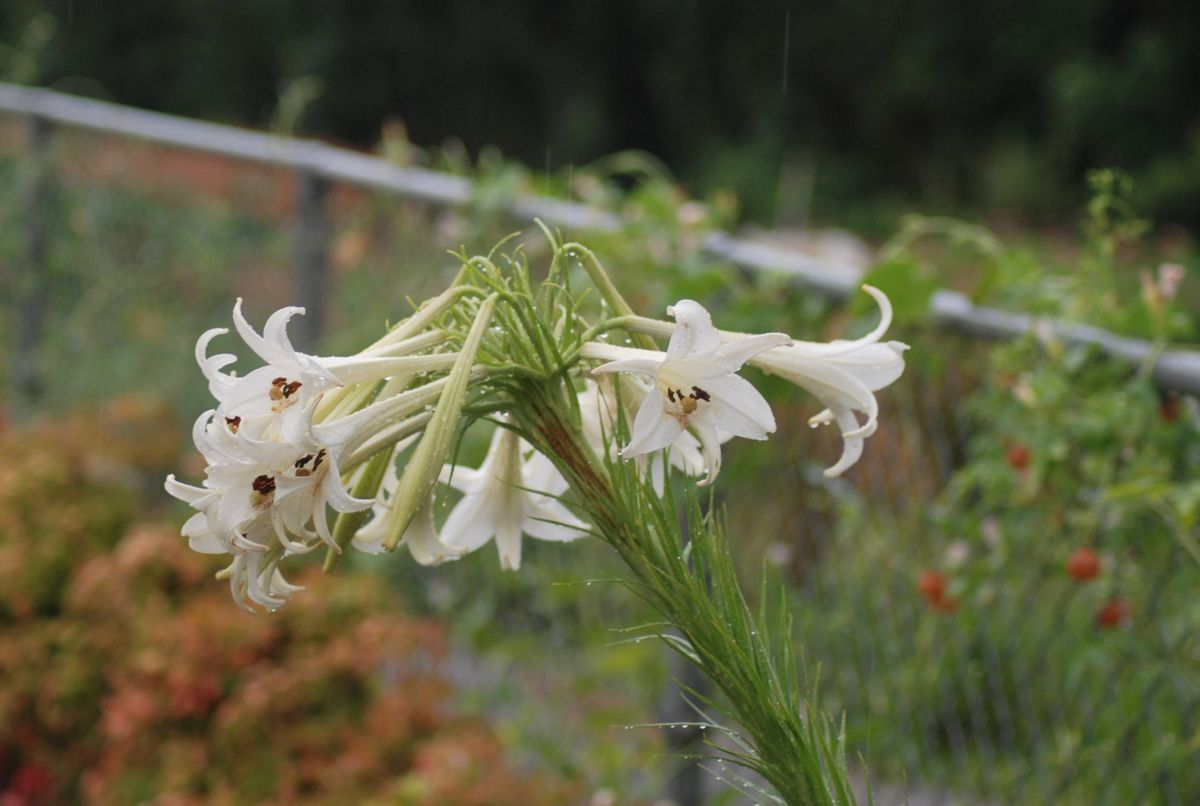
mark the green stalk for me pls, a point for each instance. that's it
(691, 581)
(604, 284)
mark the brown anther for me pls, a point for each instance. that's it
(233, 423)
(700, 394)
(303, 472)
(280, 381)
(264, 484)
(320, 458)
(671, 395)
(303, 460)
(289, 389)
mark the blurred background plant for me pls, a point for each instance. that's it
(1030, 619)
(127, 678)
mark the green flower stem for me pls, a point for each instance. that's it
(604, 284)
(426, 315)
(694, 586)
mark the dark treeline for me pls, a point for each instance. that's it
(989, 103)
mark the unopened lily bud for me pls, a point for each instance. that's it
(426, 463)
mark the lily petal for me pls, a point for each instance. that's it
(469, 524)
(738, 408)
(652, 429)
(694, 333)
(640, 366)
(547, 519)
(852, 446)
(710, 442)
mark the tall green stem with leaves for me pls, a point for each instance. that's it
(689, 577)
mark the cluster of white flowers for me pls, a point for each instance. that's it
(271, 470)
(282, 439)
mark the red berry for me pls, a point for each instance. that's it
(932, 586)
(1083, 565)
(1018, 455)
(1115, 613)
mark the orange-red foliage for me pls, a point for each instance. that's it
(129, 675)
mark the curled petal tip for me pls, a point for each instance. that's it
(689, 309)
(863, 431)
(885, 314)
(879, 295)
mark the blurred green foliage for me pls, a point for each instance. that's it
(1023, 613)
(801, 107)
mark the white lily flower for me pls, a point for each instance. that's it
(498, 501)
(695, 386)
(230, 498)
(287, 483)
(597, 406)
(254, 494)
(844, 375)
(261, 488)
(421, 536)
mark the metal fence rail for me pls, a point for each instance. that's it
(319, 165)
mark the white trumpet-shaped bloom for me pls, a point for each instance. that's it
(507, 496)
(844, 375)
(694, 387)
(287, 481)
(598, 409)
